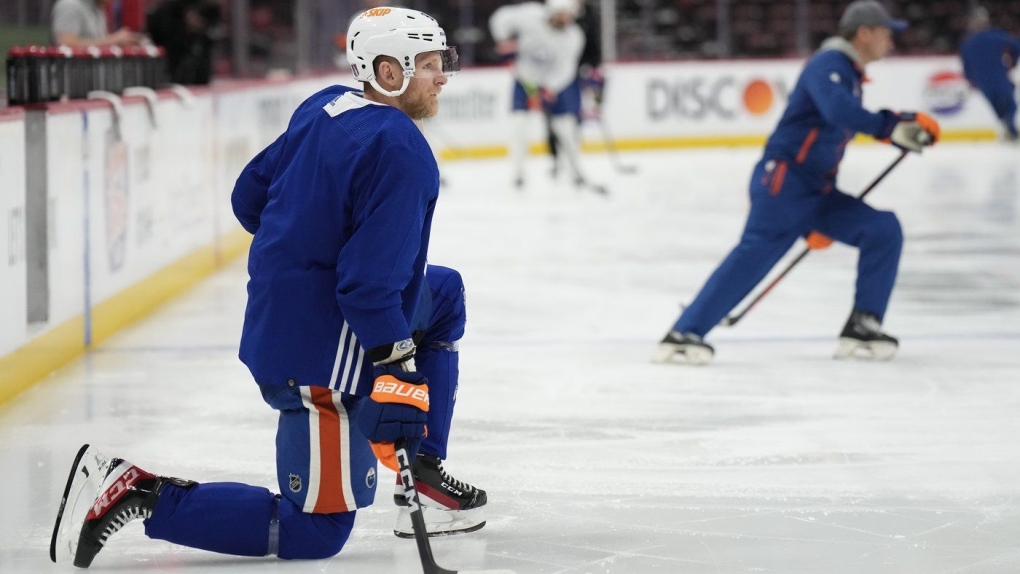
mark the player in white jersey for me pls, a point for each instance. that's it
(548, 44)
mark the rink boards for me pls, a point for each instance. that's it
(109, 212)
(700, 103)
(112, 208)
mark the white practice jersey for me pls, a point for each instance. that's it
(546, 57)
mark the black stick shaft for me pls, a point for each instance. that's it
(729, 321)
(421, 535)
(610, 143)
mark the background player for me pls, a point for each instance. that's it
(989, 56)
(548, 44)
(793, 193)
(339, 302)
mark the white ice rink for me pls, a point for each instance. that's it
(775, 458)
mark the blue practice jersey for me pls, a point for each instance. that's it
(341, 207)
(823, 114)
(988, 56)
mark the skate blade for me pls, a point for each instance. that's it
(690, 354)
(439, 522)
(873, 351)
(81, 490)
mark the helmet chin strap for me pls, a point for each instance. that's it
(375, 84)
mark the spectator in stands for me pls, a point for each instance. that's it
(989, 54)
(81, 23)
(183, 28)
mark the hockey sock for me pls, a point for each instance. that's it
(565, 127)
(243, 520)
(225, 517)
(518, 142)
(440, 365)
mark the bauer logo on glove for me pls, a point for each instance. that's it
(389, 389)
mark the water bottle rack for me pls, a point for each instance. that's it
(37, 74)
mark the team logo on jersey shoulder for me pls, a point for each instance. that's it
(370, 478)
(835, 77)
(295, 483)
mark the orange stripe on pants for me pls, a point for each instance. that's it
(806, 146)
(330, 472)
(777, 178)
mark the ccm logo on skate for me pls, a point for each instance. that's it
(116, 491)
(452, 489)
(389, 389)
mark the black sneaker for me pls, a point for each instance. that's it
(686, 346)
(863, 338)
(450, 506)
(101, 496)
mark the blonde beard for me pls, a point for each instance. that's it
(419, 110)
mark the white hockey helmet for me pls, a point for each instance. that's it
(400, 33)
(572, 7)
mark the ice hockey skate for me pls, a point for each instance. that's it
(863, 338)
(679, 347)
(101, 496)
(449, 506)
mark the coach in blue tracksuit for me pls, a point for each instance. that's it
(793, 192)
(989, 55)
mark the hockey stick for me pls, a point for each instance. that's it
(421, 536)
(729, 321)
(614, 154)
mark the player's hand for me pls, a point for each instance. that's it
(398, 405)
(534, 94)
(816, 240)
(915, 131)
(548, 96)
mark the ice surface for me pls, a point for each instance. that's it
(774, 458)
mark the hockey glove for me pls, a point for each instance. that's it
(915, 131)
(534, 101)
(398, 405)
(816, 240)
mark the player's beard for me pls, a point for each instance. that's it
(419, 105)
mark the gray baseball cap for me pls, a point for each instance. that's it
(869, 14)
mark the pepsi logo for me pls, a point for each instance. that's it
(946, 93)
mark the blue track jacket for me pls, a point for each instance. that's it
(823, 114)
(341, 207)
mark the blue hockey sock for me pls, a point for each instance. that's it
(225, 517)
(440, 365)
(233, 518)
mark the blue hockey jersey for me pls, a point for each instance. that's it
(988, 56)
(823, 114)
(341, 208)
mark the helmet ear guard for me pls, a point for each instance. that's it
(399, 33)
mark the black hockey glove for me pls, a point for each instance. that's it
(398, 405)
